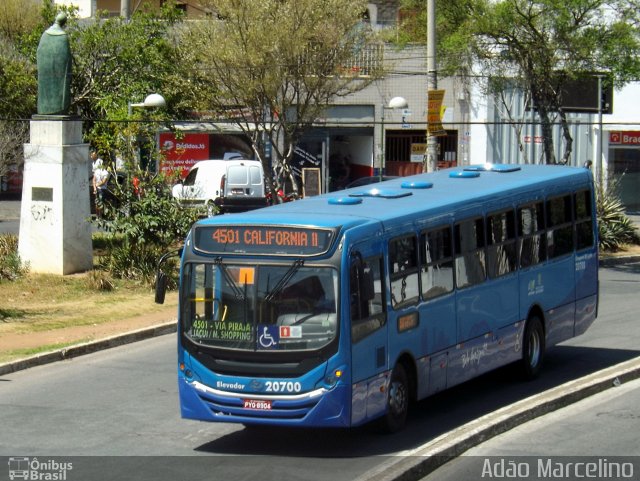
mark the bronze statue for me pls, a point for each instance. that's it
(54, 69)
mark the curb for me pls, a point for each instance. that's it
(612, 261)
(88, 347)
(418, 463)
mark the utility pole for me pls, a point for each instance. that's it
(124, 9)
(432, 82)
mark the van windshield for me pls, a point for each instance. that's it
(190, 179)
(248, 307)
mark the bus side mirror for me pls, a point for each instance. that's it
(161, 278)
(161, 287)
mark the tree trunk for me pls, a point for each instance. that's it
(547, 136)
(568, 140)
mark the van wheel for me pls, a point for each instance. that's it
(397, 401)
(533, 347)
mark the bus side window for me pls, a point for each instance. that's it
(531, 231)
(501, 237)
(560, 226)
(403, 268)
(368, 308)
(584, 223)
(436, 272)
(470, 256)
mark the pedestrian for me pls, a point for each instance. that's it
(95, 160)
(100, 180)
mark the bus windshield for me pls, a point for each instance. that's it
(260, 307)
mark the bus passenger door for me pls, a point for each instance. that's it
(368, 322)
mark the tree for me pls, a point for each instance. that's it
(276, 64)
(453, 39)
(118, 62)
(17, 80)
(13, 135)
(546, 43)
(17, 101)
(19, 17)
(541, 45)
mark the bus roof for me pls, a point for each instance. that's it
(433, 195)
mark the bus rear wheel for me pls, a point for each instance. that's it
(397, 401)
(533, 347)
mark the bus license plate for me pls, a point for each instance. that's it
(258, 404)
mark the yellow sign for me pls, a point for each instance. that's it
(434, 113)
(417, 152)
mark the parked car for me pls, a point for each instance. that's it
(224, 185)
(373, 179)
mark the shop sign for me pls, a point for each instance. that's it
(418, 151)
(624, 137)
(179, 154)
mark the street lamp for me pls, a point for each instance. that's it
(151, 101)
(394, 103)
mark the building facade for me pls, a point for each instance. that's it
(609, 142)
(89, 8)
(359, 136)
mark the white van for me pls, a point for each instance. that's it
(230, 185)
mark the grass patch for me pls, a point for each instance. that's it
(15, 354)
(45, 312)
(41, 302)
(11, 315)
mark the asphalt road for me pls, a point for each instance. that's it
(600, 429)
(118, 409)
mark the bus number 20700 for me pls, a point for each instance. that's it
(282, 386)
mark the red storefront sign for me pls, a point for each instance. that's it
(181, 153)
(625, 137)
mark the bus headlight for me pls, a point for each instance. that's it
(333, 377)
(186, 372)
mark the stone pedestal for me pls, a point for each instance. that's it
(55, 231)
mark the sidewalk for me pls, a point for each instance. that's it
(9, 210)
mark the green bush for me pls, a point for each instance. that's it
(11, 267)
(144, 222)
(615, 229)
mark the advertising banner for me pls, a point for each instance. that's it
(434, 113)
(179, 154)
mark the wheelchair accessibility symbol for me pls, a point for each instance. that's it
(268, 338)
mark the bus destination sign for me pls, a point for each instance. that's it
(266, 240)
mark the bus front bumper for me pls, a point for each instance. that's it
(319, 408)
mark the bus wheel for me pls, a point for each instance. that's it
(397, 401)
(532, 348)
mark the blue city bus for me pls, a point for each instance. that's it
(343, 308)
